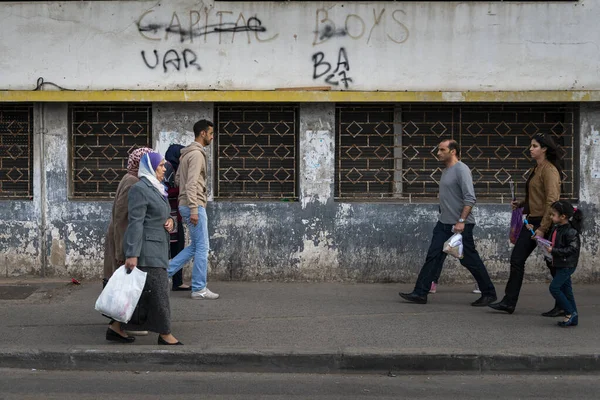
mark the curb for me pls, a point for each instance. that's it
(288, 362)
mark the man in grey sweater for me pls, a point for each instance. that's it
(457, 198)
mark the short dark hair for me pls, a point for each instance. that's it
(452, 145)
(201, 125)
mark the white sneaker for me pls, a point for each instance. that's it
(476, 290)
(204, 294)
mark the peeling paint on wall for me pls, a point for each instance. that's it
(317, 162)
(165, 139)
(313, 239)
(318, 259)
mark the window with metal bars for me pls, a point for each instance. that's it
(102, 137)
(16, 151)
(389, 151)
(256, 151)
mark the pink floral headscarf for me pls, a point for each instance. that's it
(133, 164)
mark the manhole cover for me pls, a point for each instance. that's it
(16, 292)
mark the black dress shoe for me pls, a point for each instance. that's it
(502, 306)
(484, 301)
(163, 342)
(414, 298)
(115, 337)
(181, 289)
(555, 312)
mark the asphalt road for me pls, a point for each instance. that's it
(30, 384)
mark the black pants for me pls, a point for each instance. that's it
(522, 250)
(176, 247)
(435, 260)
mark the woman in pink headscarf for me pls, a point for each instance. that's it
(113, 243)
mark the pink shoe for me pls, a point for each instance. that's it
(433, 288)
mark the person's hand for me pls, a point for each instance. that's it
(194, 219)
(169, 225)
(131, 263)
(515, 204)
(549, 248)
(539, 233)
(459, 227)
(529, 227)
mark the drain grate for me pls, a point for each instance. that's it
(16, 292)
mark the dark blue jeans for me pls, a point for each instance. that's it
(562, 290)
(435, 260)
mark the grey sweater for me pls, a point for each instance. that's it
(456, 192)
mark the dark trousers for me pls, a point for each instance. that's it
(562, 290)
(435, 259)
(522, 250)
(176, 247)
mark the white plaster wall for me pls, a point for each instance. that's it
(386, 45)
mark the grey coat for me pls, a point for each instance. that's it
(146, 236)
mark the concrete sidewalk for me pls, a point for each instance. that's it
(304, 327)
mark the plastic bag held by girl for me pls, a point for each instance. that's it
(543, 245)
(121, 294)
(454, 246)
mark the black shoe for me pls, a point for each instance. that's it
(181, 289)
(163, 342)
(555, 312)
(502, 306)
(484, 301)
(115, 337)
(414, 298)
(572, 321)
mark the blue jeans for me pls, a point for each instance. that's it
(562, 290)
(197, 249)
(435, 259)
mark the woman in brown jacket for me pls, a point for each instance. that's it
(541, 191)
(113, 243)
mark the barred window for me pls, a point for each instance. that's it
(16, 151)
(102, 137)
(389, 151)
(256, 151)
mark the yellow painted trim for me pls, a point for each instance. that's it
(266, 96)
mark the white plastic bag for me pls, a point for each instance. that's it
(121, 294)
(454, 246)
(543, 244)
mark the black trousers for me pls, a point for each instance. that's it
(435, 259)
(522, 250)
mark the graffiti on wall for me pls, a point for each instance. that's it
(199, 25)
(358, 27)
(338, 76)
(207, 25)
(172, 58)
(195, 25)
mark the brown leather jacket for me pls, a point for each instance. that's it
(544, 189)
